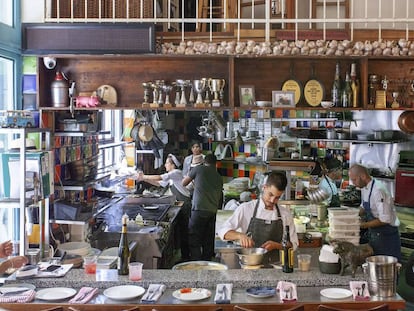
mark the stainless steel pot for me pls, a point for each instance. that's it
(251, 256)
(343, 135)
(379, 135)
(331, 134)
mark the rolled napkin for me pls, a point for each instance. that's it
(223, 293)
(84, 295)
(26, 296)
(359, 290)
(287, 291)
(153, 293)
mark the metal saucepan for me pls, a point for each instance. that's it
(251, 256)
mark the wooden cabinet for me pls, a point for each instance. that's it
(126, 73)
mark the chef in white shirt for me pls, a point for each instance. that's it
(261, 222)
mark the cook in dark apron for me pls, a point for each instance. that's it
(263, 230)
(385, 240)
(335, 202)
(183, 217)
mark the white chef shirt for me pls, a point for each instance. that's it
(175, 177)
(381, 203)
(241, 217)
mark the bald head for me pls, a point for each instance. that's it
(359, 175)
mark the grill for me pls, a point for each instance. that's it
(154, 238)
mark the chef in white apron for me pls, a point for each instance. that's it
(260, 223)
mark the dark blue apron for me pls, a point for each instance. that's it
(263, 230)
(335, 201)
(385, 240)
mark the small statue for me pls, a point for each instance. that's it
(384, 83)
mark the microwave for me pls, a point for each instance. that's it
(404, 185)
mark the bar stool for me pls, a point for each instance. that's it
(383, 307)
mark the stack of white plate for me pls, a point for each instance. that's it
(76, 248)
(344, 224)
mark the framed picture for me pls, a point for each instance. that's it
(246, 95)
(283, 99)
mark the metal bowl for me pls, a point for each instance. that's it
(251, 256)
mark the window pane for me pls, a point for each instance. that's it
(6, 83)
(6, 12)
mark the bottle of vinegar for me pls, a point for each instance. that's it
(287, 252)
(123, 250)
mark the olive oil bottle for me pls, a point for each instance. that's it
(287, 252)
(354, 86)
(123, 250)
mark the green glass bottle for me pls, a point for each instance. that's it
(123, 250)
(347, 92)
(287, 252)
(336, 87)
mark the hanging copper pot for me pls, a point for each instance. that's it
(406, 122)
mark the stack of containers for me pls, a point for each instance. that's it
(344, 224)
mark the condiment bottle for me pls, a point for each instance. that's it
(336, 87)
(346, 97)
(123, 250)
(372, 89)
(287, 253)
(354, 86)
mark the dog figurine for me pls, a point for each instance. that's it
(351, 255)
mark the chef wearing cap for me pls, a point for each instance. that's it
(173, 179)
(196, 150)
(332, 169)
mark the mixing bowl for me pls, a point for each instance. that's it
(251, 256)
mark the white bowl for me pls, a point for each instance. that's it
(327, 104)
(263, 103)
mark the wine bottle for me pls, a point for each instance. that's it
(354, 86)
(346, 97)
(336, 87)
(287, 252)
(123, 250)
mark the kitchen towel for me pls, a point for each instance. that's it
(153, 293)
(359, 290)
(26, 296)
(287, 291)
(223, 293)
(84, 295)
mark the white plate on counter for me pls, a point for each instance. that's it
(124, 292)
(56, 293)
(193, 295)
(14, 287)
(336, 293)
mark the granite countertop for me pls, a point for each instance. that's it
(175, 279)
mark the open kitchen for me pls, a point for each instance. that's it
(95, 115)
